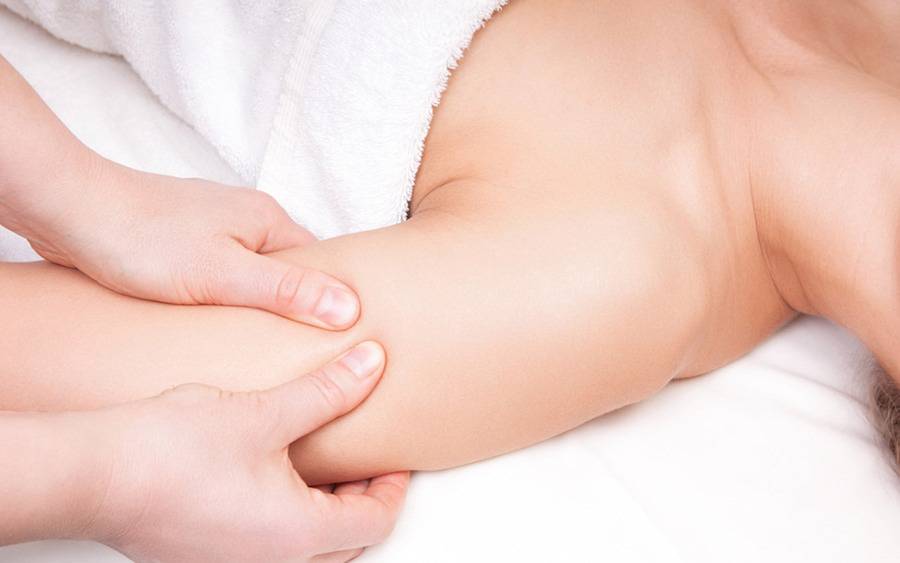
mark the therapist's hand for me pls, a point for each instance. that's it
(181, 241)
(200, 474)
(149, 236)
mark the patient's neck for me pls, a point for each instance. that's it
(841, 265)
(864, 34)
(828, 225)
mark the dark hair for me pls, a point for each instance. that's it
(886, 412)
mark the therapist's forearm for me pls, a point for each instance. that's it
(41, 161)
(49, 477)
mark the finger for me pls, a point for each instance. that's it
(354, 488)
(327, 489)
(354, 521)
(338, 556)
(312, 400)
(247, 279)
(285, 233)
(262, 224)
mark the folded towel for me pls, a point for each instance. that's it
(325, 104)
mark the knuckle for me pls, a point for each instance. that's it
(260, 197)
(299, 290)
(382, 525)
(338, 371)
(387, 518)
(329, 391)
(386, 530)
(198, 279)
(262, 203)
(289, 291)
(382, 529)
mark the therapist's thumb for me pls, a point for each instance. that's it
(311, 401)
(306, 295)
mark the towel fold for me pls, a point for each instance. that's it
(324, 104)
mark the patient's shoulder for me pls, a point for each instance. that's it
(560, 149)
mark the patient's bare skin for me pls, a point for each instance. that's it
(605, 119)
(772, 135)
(639, 192)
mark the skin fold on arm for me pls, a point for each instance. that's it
(548, 274)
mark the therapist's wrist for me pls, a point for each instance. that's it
(39, 199)
(55, 477)
(108, 503)
(88, 466)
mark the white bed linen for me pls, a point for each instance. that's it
(770, 459)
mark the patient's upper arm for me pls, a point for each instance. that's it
(505, 319)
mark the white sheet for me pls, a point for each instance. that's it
(770, 459)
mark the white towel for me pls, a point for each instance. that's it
(325, 104)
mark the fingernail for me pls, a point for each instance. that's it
(336, 307)
(364, 360)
